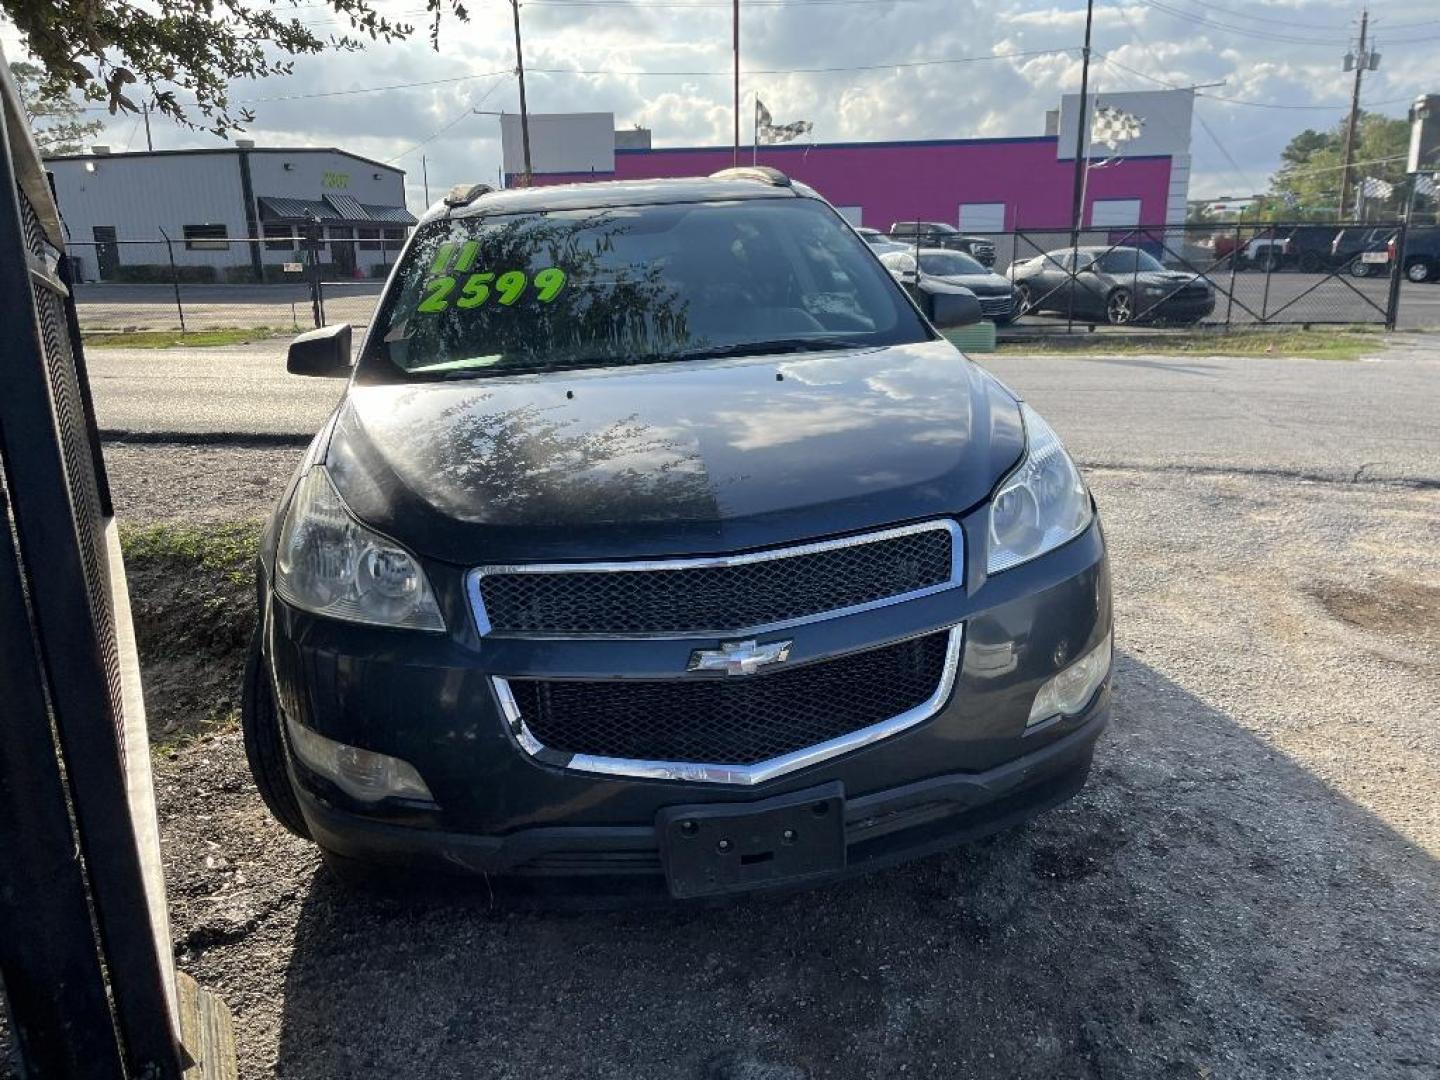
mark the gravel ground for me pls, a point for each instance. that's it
(1247, 888)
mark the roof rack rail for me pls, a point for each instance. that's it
(465, 194)
(763, 173)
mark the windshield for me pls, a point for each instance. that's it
(1128, 261)
(949, 264)
(602, 287)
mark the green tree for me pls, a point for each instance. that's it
(1308, 182)
(56, 119)
(117, 52)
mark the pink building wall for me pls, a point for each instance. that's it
(926, 181)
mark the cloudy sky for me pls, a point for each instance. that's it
(859, 69)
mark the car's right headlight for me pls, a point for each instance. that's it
(1040, 505)
(330, 564)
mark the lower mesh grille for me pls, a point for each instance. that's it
(733, 720)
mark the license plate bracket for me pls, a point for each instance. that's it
(719, 848)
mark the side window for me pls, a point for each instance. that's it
(1083, 260)
(206, 238)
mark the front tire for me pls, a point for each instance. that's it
(1419, 270)
(1359, 269)
(264, 745)
(1119, 308)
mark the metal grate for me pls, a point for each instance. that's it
(748, 592)
(733, 720)
(80, 466)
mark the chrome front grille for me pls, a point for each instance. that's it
(725, 595)
(733, 730)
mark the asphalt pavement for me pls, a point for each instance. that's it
(1319, 418)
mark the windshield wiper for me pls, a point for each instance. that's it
(779, 345)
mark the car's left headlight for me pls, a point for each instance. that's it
(1040, 505)
(330, 564)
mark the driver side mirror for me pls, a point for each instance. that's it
(950, 309)
(324, 353)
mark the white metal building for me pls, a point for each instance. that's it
(120, 208)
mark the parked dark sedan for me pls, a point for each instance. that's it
(1110, 284)
(994, 291)
(660, 543)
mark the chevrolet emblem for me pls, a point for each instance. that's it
(739, 657)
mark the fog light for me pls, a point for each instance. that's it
(1068, 691)
(361, 774)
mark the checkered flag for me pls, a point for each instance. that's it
(1114, 127)
(1374, 188)
(767, 131)
(1425, 185)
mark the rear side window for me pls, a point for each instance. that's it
(514, 293)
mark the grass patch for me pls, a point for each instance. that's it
(228, 548)
(194, 339)
(1311, 344)
(192, 594)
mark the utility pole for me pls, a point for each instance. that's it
(1077, 207)
(1362, 60)
(524, 112)
(145, 112)
(735, 23)
(425, 178)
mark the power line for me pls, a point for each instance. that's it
(1243, 31)
(812, 70)
(470, 107)
(1108, 59)
(1291, 23)
(1236, 170)
(378, 89)
(722, 4)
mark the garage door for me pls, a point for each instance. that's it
(982, 217)
(1115, 213)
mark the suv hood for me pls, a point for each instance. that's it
(673, 459)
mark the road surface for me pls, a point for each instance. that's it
(1311, 417)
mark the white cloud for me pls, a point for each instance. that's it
(1002, 97)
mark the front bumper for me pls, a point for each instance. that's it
(881, 828)
(1174, 308)
(969, 768)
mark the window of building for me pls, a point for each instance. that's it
(982, 217)
(855, 215)
(279, 237)
(394, 239)
(369, 239)
(207, 238)
(1115, 213)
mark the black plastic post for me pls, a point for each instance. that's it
(174, 278)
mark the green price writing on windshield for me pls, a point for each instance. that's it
(507, 288)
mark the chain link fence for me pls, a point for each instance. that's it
(169, 284)
(1215, 276)
(1254, 275)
